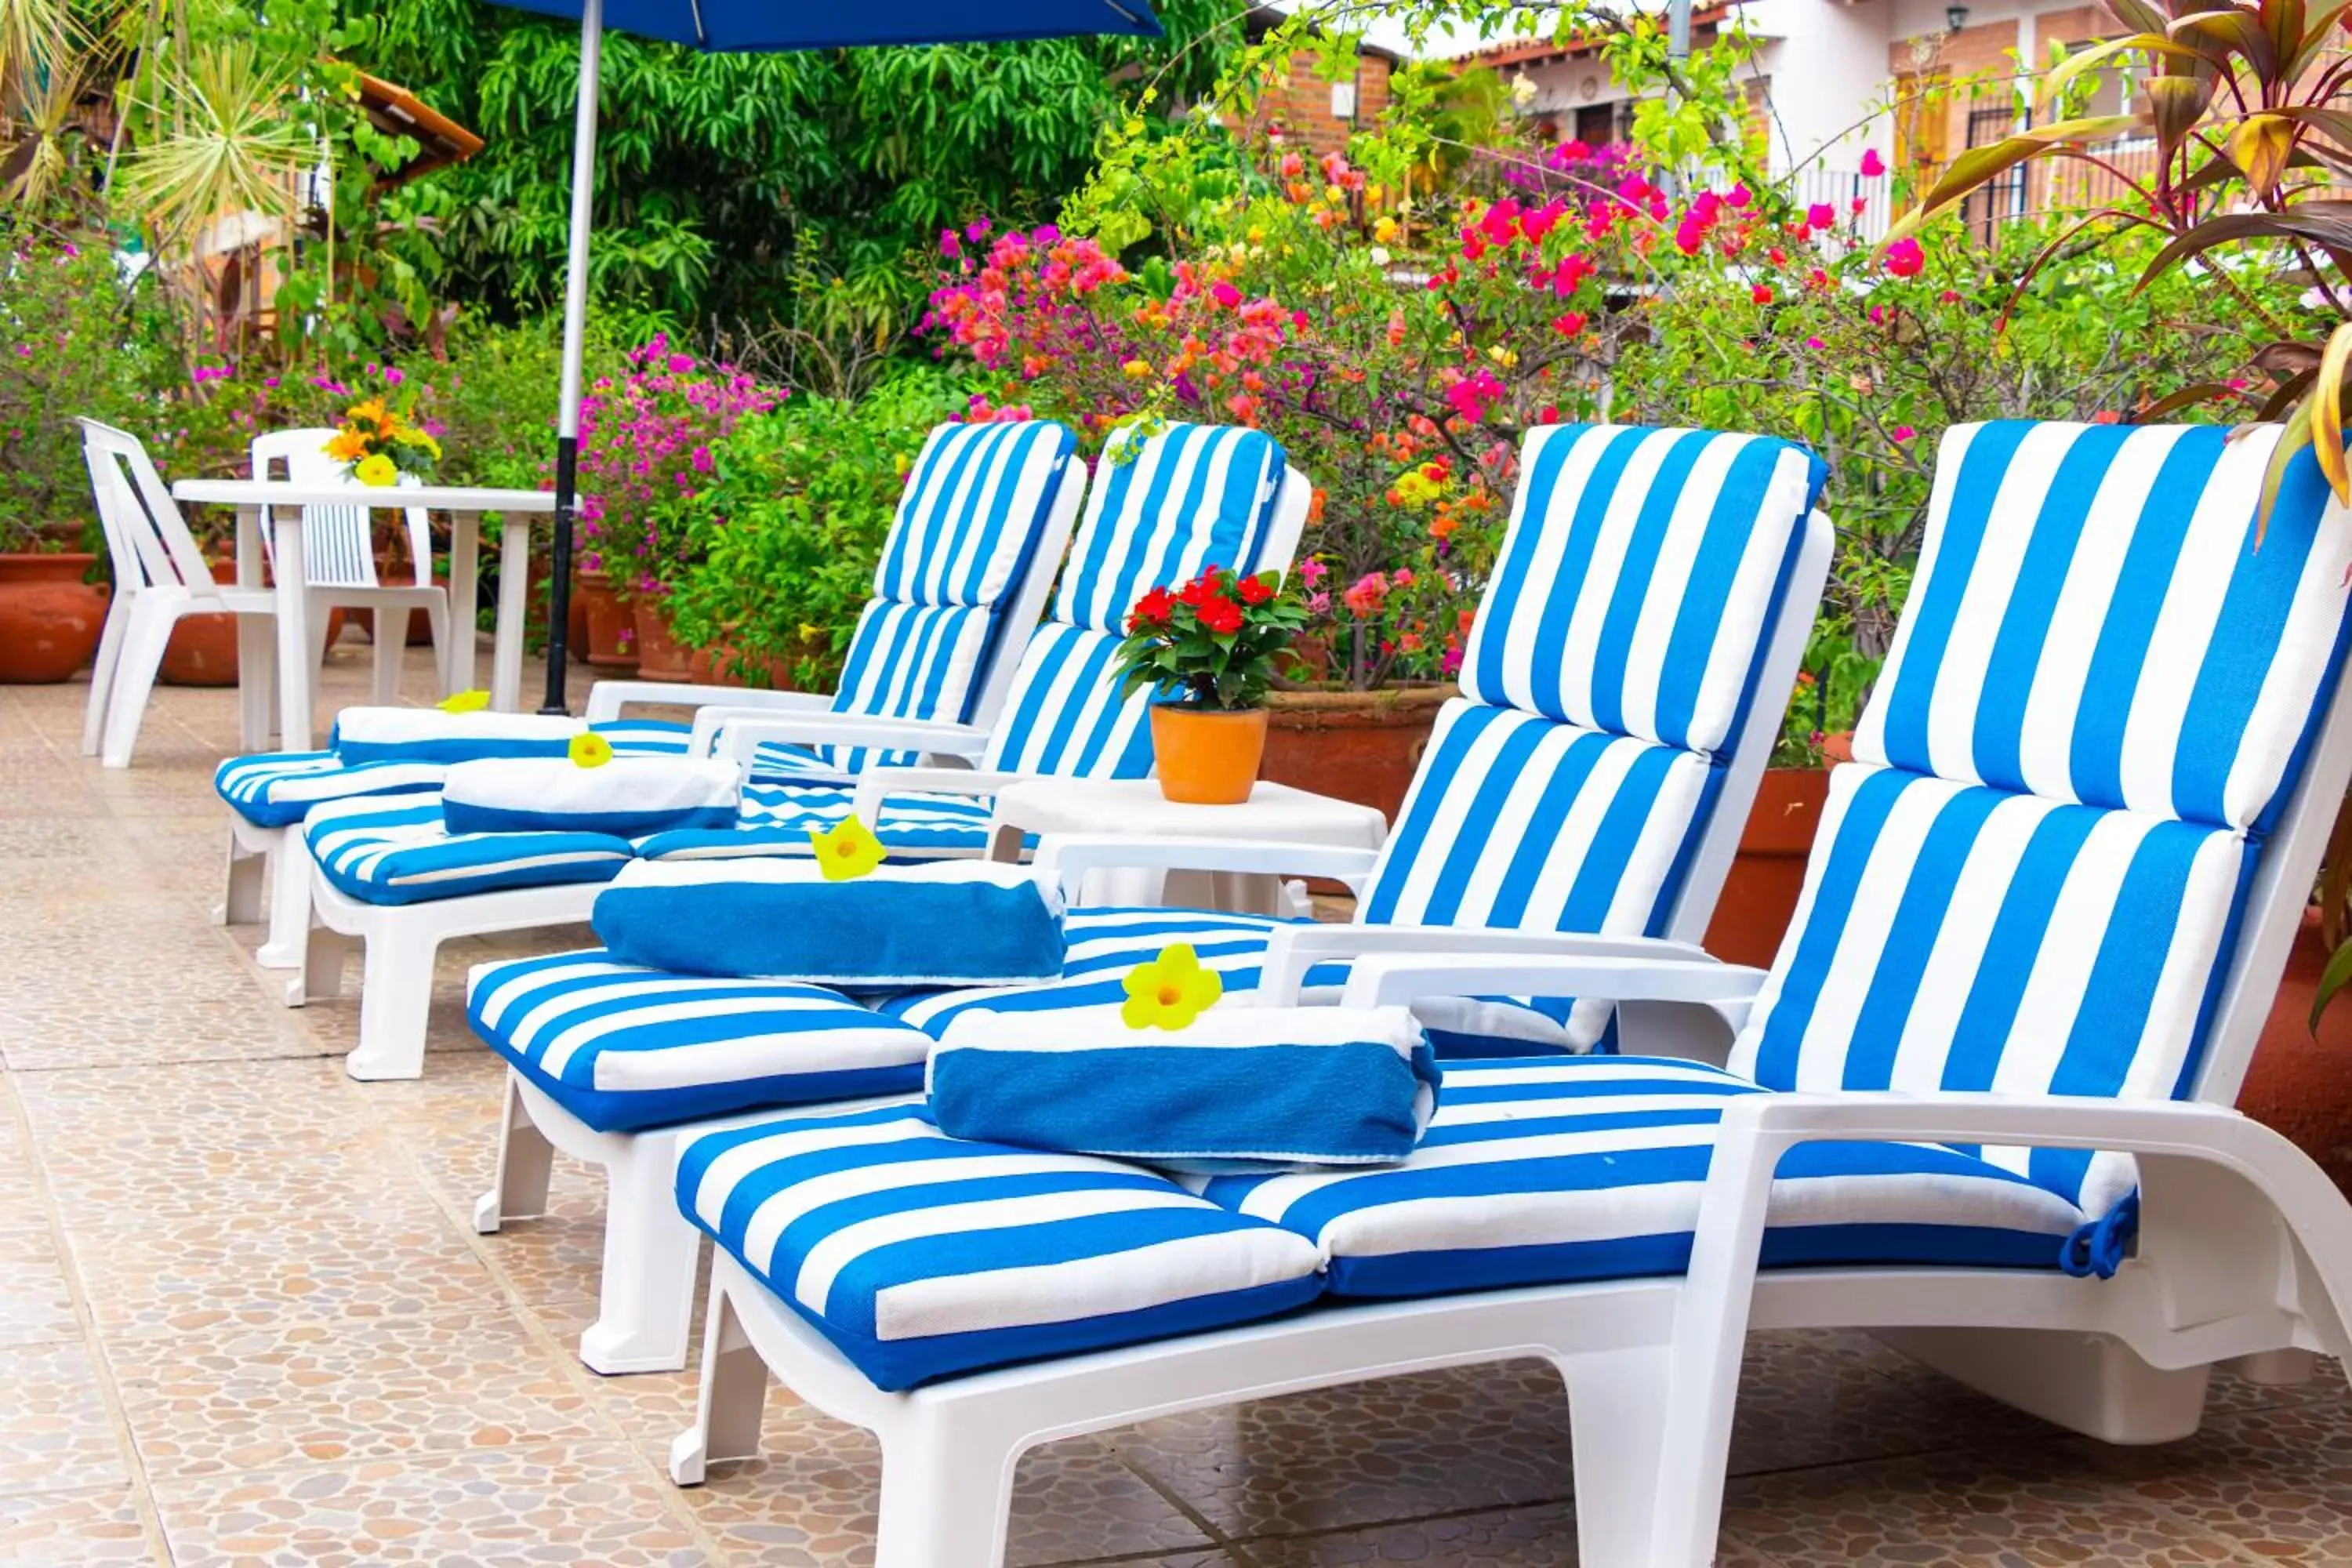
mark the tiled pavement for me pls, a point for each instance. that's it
(244, 1320)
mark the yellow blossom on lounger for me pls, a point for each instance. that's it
(377, 470)
(847, 850)
(590, 751)
(1170, 990)
(473, 701)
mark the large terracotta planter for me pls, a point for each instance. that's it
(1362, 746)
(612, 640)
(49, 618)
(726, 665)
(2301, 1084)
(1207, 756)
(1768, 873)
(203, 649)
(659, 656)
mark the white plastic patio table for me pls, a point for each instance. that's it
(285, 500)
(1275, 813)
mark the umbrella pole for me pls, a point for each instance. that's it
(575, 316)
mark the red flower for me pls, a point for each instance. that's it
(1255, 590)
(1761, 293)
(1220, 615)
(1152, 610)
(1905, 259)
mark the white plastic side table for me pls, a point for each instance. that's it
(1274, 813)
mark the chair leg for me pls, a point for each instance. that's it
(101, 671)
(734, 1401)
(319, 976)
(947, 1494)
(134, 678)
(290, 904)
(526, 1160)
(389, 654)
(436, 615)
(645, 1303)
(395, 997)
(1616, 1414)
(240, 902)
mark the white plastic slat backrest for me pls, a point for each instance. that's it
(338, 542)
(145, 534)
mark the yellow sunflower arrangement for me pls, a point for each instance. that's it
(377, 443)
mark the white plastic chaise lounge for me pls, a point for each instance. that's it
(1980, 1104)
(1066, 716)
(964, 561)
(984, 467)
(1706, 541)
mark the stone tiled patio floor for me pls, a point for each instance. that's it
(244, 1319)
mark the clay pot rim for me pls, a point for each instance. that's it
(1403, 694)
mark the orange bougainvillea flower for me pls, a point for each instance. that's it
(346, 447)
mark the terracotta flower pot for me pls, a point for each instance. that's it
(49, 618)
(659, 656)
(2301, 1084)
(203, 649)
(1759, 896)
(1362, 746)
(611, 630)
(1207, 756)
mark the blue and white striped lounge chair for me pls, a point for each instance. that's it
(1190, 496)
(1711, 533)
(982, 524)
(985, 516)
(1980, 1104)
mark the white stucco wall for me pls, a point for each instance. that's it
(1826, 64)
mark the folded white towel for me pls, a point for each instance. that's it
(628, 796)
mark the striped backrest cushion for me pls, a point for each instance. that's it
(1636, 582)
(1191, 495)
(1953, 936)
(976, 502)
(1520, 822)
(2092, 621)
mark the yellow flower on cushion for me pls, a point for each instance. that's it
(590, 751)
(473, 701)
(1170, 990)
(846, 851)
(378, 469)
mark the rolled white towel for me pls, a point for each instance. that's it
(435, 736)
(627, 797)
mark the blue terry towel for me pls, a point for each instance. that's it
(433, 735)
(624, 797)
(1237, 1089)
(966, 922)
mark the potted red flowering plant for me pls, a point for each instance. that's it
(1207, 649)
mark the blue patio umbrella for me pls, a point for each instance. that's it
(735, 26)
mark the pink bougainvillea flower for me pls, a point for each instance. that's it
(1872, 165)
(1948, 297)
(1363, 598)
(1739, 196)
(1820, 215)
(1815, 343)
(1902, 432)
(1312, 571)
(1905, 259)
(1225, 294)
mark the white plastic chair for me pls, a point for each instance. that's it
(339, 557)
(160, 575)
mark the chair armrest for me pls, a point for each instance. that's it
(1070, 855)
(876, 785)
(1661, 974)
(746, 733)
(607, 698)
(1295, 950)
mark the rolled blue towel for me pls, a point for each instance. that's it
(962, 922)
(433, 735)
(626, 797)
(1236, 1089)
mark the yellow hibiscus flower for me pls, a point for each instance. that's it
(590, 751)
(378, 469)
(846, 851)
(473, 701)
(1170, 990)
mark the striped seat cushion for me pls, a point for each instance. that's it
(778, 818)
(276, 789)
(1104, 942)
(1590, 1168)
(1191, 495)
(624, 1047)
(1636, 589)
(920, 1257)
(1952, 936)
(394, 849)
(2092, 620)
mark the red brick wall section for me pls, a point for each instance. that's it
(1301, 108)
